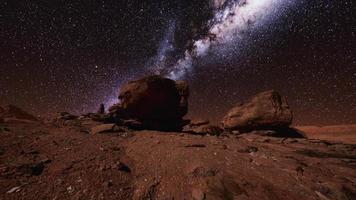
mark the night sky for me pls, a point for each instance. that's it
(73, 55)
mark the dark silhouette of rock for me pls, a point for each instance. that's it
(153, 97)
(156, 102)
(66, 116)
(14, 112)
(267, 110)
(101, 109)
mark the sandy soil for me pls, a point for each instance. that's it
(51, 161)
(339, 133)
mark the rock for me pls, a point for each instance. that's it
(199, 122)
(14, 189)
(66, 116)
(156, 102)
(133, 124)
(153, 97)
(103, 128)
(123, 167)
(2, 120)
(267, 110)
(13, 112)
(202, 127)
(203, 172)
(101, 109)
(249, 149)
(212, 130)
(197, 194)
(99, 117)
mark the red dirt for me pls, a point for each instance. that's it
(46, 161)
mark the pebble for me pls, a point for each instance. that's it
(14, 189)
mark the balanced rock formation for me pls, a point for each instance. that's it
(267, 110)
(101, 109)
(155, 101)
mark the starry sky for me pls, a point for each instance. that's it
(73, 55)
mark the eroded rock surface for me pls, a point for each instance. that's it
(267, 110)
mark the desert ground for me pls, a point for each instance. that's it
(45, 160)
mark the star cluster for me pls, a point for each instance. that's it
(73, 55)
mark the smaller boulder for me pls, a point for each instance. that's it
(66, 116)
(133, 124)
(103, 128)
(202, 127)
(265, 111)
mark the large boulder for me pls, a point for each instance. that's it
(155, 101)
(267, 110)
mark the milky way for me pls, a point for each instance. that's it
(71, 56)
(230, 22)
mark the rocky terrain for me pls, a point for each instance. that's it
(144, 148)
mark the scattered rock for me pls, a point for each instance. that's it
(266, 111)
(249, 149)
(66, 116)
(133, 124)
(202, 127)
(197, 194)
(98, 117)
(70, 190)
(123, 167)
(37, 169)
(14, 189)
(203, 172)
(31, 168)
(103, 128)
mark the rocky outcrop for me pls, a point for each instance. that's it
(202, 127)
(156, 102)
(66, 116)
(267, 110)
(14, 112)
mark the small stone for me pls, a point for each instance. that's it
(70, 189)
(198, 194)
(14, 189)
(123, 167)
